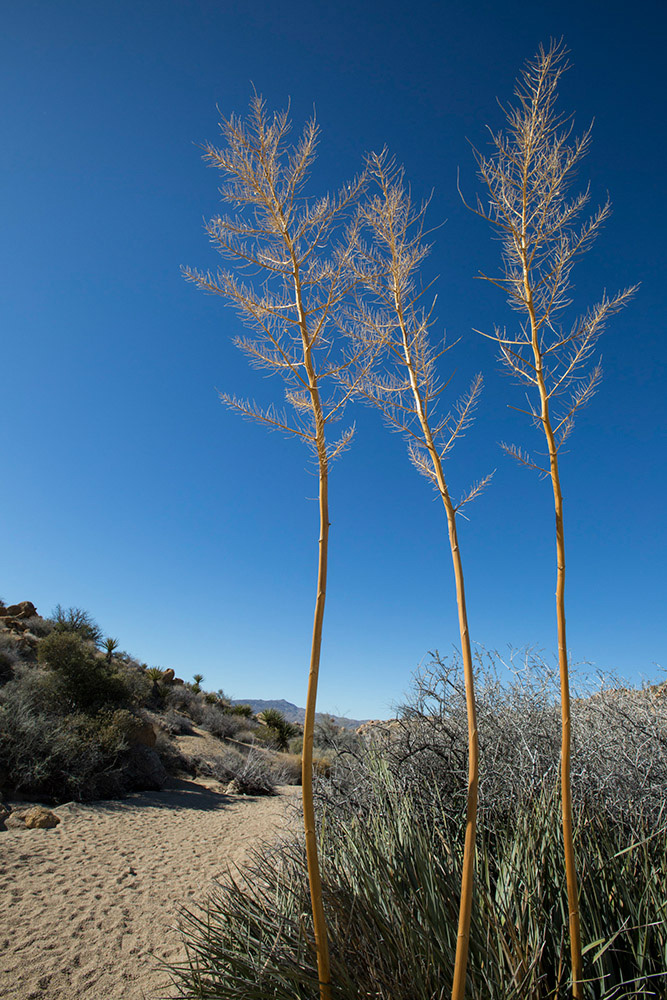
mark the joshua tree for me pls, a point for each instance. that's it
(282, 729)
(527, 179)
(155, 674)
(390, 326)
(197, 678)
(110, 645)
(305, 277)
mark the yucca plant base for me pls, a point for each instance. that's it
(391, 889)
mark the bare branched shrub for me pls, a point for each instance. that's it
(222, 724)
(619, 758)
(251, 772)
(78, 621)
(176, 724)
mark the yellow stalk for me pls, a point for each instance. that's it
(314, 878)
(467, 875)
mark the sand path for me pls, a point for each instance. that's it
(85, 907)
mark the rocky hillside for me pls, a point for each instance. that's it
(80, 719)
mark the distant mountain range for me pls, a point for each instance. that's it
(295, 714)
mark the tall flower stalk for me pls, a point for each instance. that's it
(390, 331)
(527, 179)
(300, 253)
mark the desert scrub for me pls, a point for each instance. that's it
(9, 657)
(77, 621)
(251, 771)
(87, 682)
(39, 626)
(183, 699)
(391, 891)
(287, 769)
(619, 741)
(222, 724)
(62, 755)
(176, 724)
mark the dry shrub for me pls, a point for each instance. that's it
(251, 771)
(222, 724)
(619, 760)
(287, 769)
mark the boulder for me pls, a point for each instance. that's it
(168, 676)
(143, 734)
(15, 820)
(24, 609)
(40, 818)
(143, 769)
(34, 818)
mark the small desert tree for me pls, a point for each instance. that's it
(301, 249)
(527, 179)
(390, 331)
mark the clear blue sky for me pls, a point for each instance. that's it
(191, 535)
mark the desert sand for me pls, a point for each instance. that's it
(89, 907)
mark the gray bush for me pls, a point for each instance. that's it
(222, 724)
(619, 737)
(176, 724)
(251, 771)
(184, 700)
(39, 626)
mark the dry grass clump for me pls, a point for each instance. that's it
(391, 889)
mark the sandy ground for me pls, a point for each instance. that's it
(86, 908)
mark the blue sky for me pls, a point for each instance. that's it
(191, 535)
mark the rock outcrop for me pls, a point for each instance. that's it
(36, 818)
(24, 609)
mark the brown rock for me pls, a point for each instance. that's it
(40, 818)
(143, 734)
(168, 676)
(15, 821)
(143, 769)
(24, 609)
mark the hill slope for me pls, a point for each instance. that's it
(295, 714)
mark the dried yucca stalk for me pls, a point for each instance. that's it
(390, 333)
(527, 179)
(302, 253)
